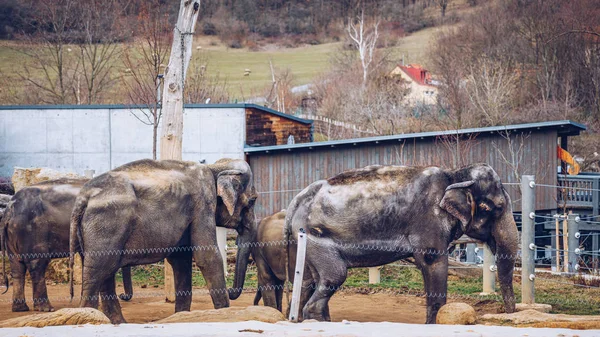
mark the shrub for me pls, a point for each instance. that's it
(209, 28)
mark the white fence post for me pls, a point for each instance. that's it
(298, 275)
(573, 236)
(222, 243)
(489, 271)
(528, 239)
(375, 275)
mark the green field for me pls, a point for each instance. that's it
(305, 62)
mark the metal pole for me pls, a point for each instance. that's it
(298, 275)
(527, 239)
(471, 254)
(573, 223)
(489, 271)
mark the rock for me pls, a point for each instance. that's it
(535, 306)
(231, 314)
(67, 316)
(23, 177)
(456, 313)
(529, 317)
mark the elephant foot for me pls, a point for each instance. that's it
(117, 319)
(43, 307)
(19, 306)
(319, 316)
(125, 297)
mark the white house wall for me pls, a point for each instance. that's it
(104, 138)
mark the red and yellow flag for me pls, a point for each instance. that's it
(573, 166)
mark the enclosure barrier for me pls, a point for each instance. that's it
(527, 239)
(528, 221)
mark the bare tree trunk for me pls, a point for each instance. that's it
(181, 53)
(172, 131)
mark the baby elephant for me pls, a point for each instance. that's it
(34, 230)
(270, 256)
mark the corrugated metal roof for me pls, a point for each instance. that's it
(564, 127)
(133, 106)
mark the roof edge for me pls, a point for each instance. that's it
(574, 129)
(142, 106)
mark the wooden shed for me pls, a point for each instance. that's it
(280, 172)
(266, 127)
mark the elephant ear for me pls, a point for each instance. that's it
(229, 187)
(459, 202)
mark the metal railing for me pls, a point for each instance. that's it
(580, 191)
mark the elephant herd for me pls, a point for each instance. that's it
(146, 211)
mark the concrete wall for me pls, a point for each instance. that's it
(102, 138)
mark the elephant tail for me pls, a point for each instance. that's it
(75, 236)
(4, 245)
(257, 296)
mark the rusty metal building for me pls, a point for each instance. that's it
(280, 172)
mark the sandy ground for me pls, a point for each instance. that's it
(148, 305)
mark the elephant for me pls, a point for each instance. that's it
(269, 253)
(34, 230)
(148, 210)
(380, 214)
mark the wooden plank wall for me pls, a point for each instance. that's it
(280, 175)
(266, 129)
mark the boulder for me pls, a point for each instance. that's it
(534, 306)
(23, 177)
(456, 313)
(67, 316)
(533, 317)
(231, 314)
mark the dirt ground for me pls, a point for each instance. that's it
(148, 305)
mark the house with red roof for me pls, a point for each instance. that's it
(423, 89)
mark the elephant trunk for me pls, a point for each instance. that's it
(504, 243)
(241, 264)
(245, 241)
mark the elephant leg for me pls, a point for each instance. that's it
(328, 274)
(110, 302)
(96, 271)
(435, 277)
(37, 271)
(17, 272)
(267, 285)
(182, 272)
(209, 261)
(279, 294)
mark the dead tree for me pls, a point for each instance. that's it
(172, 130)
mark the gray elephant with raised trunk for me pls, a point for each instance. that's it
(379, 214)
(148, 210)
(34, 230)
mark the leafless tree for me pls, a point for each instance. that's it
(48, 51)
(365, 41)
(99, 49)
(490, 87)
(203, 87)
(144, 61)
(443, 4)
